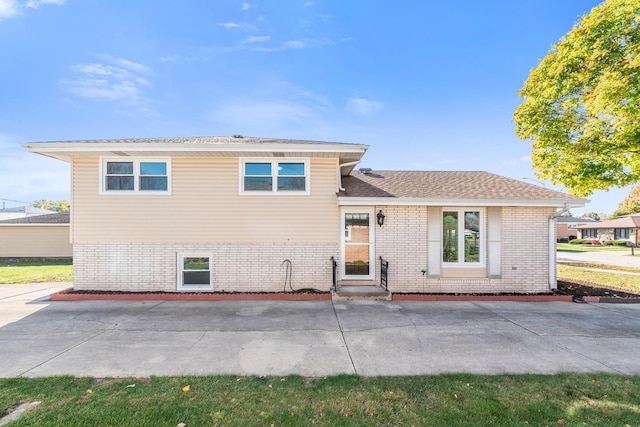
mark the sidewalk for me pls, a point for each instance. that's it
(314, 338)
(614, 258)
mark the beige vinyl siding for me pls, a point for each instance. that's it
(39, 241)
(205, 207)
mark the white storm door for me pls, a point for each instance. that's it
(358, 262)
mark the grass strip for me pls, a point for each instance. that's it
(345, 400)
(36, 271)
(567, 247)
(607, 279)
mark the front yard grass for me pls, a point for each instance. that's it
(444, 400)
(36, 271)
(566, 247)
(611, 277)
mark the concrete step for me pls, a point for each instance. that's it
(360, 292)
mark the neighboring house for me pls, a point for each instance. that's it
(623, 228)
(22, 212)
(237, 214)
(567, 227)
(41, 236)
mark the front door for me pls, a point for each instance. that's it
(357, 245)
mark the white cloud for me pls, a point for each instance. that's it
(238, 25)
(293, 44)
(11, 8)
(308, 4)
(247, 6)
(116, 79)
(362, 106)
(8, 9)
(34, 4)
(257, 39)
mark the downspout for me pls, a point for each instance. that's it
(340, 187)
(553, 283)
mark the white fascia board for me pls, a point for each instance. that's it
(388, 201)
(65, 147)
(32, 224)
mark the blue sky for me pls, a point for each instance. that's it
(429, 85)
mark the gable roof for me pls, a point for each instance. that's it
(54, 218)
(627, 221)
(202, 146)
(449, 188)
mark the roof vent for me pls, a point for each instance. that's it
(238, 136)
(365, 170)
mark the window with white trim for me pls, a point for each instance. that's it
(275, 176)
(135, 176)
(195, 272)
(463, 237)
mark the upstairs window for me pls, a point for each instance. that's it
(269, 177)
(135, 176)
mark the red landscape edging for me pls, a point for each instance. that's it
(70, 295)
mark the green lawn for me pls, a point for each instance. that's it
(608, 279)
(566, 247)
(36, 271)
(346, 400)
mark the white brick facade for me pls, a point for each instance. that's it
(403, 241)
(236, 268)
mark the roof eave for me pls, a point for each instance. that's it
(66, 150)
(399, 201)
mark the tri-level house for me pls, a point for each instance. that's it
(243, 214)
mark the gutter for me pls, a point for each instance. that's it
(344, 165)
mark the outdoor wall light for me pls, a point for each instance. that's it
(380, 218)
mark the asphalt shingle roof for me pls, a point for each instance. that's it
(54, 218)
(221, 140)
(629, 221)
(446, 185)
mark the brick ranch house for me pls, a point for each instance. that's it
(626, 227)
(241, 214)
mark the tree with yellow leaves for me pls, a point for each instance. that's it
(581, 106)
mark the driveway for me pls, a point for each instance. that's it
(370, 338)
(617, 258)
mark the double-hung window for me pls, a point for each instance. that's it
(275, 176)
(195, 272)
(463, 237)
(136, 176)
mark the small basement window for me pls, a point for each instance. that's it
(195, 272)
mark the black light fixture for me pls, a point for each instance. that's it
(380, 218)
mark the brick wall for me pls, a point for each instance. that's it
(524, 250)
(402, 241)
(236, 268)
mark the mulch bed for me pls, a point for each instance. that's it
(592, 292)
(566, 291)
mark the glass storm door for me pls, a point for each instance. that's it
(357, 248)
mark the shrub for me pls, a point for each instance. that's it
(616, 243)
(580, 242)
